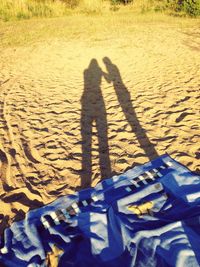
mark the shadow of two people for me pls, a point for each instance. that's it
(94, 112)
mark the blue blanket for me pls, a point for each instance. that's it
(148, 216)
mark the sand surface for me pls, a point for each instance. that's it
(73, 112)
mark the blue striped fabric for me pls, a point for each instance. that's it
(148, 216)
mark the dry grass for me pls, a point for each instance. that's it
(92, 6)
(92, 21)
(26, 9)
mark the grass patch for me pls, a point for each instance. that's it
(26, 9)
(90, 28)
(91, 6)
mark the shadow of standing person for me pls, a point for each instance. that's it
(93, 111)
(124, 99)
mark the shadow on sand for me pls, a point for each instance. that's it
(93, 113)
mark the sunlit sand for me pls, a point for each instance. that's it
(78, 109)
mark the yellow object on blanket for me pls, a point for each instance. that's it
(144, 208)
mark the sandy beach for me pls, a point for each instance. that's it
(74, 111)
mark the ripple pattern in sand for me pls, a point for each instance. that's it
(150, 98)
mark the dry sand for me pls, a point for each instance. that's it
(72, 112)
